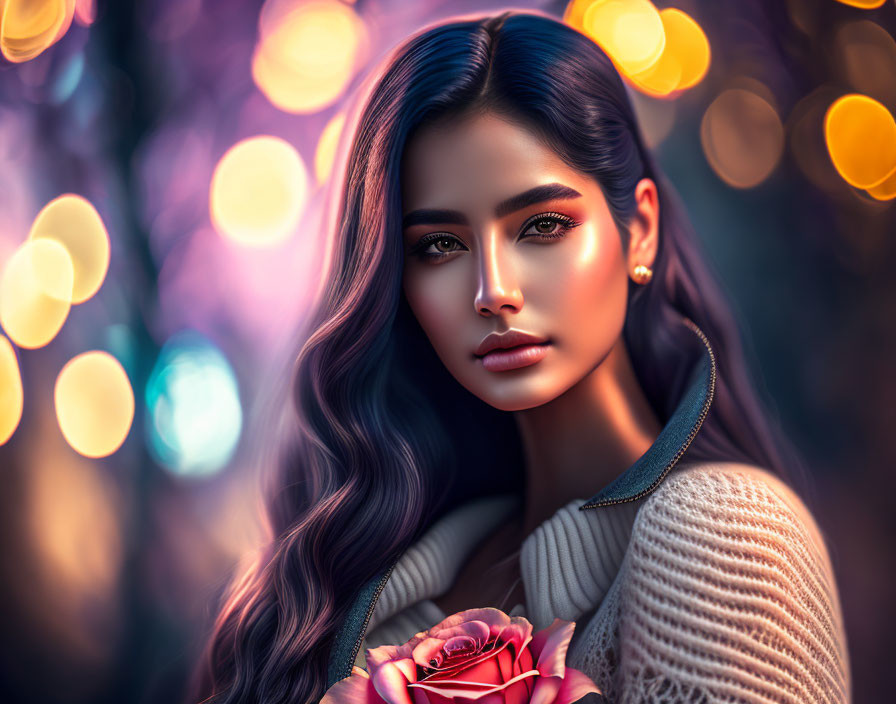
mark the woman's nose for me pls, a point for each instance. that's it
(498, 285)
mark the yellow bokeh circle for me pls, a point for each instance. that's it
(258, 192)
(885, 190)
(94, 403)
(74, 222)
(27, 27)
(11, 395)
(35, 292)
(864, 4)
(307, 53)
(861, 137)
(629, 31)
(685, 58)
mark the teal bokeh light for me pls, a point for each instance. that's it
(195, 417)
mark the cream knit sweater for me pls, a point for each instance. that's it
(716, 587)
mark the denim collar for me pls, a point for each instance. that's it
(651, 468)
(640, 479)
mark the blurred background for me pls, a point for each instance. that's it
(164, 169)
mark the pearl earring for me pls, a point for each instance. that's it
(642, 274)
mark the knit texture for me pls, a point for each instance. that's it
(716, 587)
(429, 566)
(726, 594)
(567, 564)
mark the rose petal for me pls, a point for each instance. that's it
(421, 697)
(433, 697)
(468, 690)
(441, 684)
(460, 645)
(486, 671)
(524, 661)
(520, 634)
(391, 683)
(575, 685)
(546, 689)
(505, 664)
(357, 688)
(518, 692)
(385, 653)
(408, 668)
(495, 698)
(477, 630)
(427, 650)
(550, 646)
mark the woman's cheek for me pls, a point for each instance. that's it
(576, 277)
(437, 303)
(583, 292)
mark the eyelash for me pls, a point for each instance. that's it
(566, 222)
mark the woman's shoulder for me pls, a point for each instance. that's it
(734, 493)
(716, 507)
(726, 477)
(727, 565)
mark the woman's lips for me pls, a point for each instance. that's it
(501, 360)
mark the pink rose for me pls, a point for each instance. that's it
(478, 654)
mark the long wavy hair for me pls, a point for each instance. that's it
(373, 458)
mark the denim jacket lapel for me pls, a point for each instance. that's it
(651, 468)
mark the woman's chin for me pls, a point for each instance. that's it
(517, 395)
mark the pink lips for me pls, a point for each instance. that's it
(500, 360)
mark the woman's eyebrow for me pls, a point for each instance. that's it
(549, 191)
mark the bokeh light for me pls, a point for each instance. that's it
(195, 417)
(886, 190)
(94, 403)
(73, 222)
(67, 81)
(35, 292)
(805, 138)
(742, 137)
(258, 191)
(11, 394)
(861, 137)
(325, 153)
(864, 56)
(306, 54)
(684, 60)
(85, 12)
(629, 31)
(864, 4)
(28, 27)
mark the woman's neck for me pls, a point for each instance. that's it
(582, 440)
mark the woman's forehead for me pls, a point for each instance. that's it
(476, 163)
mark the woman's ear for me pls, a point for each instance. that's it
(645, 226)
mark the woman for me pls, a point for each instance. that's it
(615, 468)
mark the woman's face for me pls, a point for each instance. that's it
(500, 234)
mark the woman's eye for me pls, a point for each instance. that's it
(549, 227)
(437, 246)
